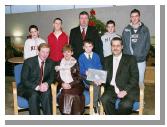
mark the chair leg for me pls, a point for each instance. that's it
(141, 100)
(101, 106)
(91, 99)
(54, 94)
(15, 104)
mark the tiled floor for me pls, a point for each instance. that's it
(149, 108)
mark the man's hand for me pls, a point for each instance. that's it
(122, 94)
(66, 86)
(43, 87)
(86, 73)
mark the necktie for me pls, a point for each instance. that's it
(83, 33)
(89, 57)
(41, 72)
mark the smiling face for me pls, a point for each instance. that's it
(67, 54)
(34, 33)
(44, 53)
(83, 20)
(88, 47)
(135, 18)
(116, 47)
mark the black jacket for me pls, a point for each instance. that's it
(127, 76)
(30, 75)
(77, 42)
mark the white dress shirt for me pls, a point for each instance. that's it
(87, 55)
(40, 61)
(116, 61)
(81, 28)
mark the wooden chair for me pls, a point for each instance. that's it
(54, 99)
(148, 79)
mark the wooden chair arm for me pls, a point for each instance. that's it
(54, 97)
(101, 106)
(141, 106)
(15, 104)
(91, 99)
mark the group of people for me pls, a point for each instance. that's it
(66, 60)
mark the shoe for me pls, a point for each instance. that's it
(96, 112)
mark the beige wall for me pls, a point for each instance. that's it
(17, 24)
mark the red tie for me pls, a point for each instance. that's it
(83, 33)
(41, 72)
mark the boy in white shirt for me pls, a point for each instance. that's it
(32, 43)
(107, 37)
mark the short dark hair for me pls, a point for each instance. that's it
(110, 22)
(117, 39)
(88, 41)
(135, 11)
(58, 19)
(32, 26)
(83, 13)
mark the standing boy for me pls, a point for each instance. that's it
(107, 37)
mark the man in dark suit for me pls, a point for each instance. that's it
(36, 77)
(122, 81)
(84, 32)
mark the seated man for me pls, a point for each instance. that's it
(36, 77)
(122, 81)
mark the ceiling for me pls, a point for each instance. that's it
(12, 9)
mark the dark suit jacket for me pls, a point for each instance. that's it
(30, 75)
(127, 76)
(77, 42)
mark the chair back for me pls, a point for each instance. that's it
(149, 75)
(17, 73)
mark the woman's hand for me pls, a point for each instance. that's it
(66, 86)
(57, 68)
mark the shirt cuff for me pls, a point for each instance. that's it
(37, 88)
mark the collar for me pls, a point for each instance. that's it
(118, 57)
(39, 59)
(81, 28)
(136, 26)
(87, 55)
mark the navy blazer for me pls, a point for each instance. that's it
(30, 75)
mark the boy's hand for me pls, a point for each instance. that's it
(86, 73)
(98, 83)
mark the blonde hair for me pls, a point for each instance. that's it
(43, 45)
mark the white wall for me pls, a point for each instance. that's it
(17, 24)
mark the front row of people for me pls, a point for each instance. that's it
(39, 72)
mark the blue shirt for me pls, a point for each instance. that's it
(85, 63)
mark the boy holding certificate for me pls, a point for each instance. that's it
(90, 60)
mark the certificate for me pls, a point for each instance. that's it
(97, 75)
